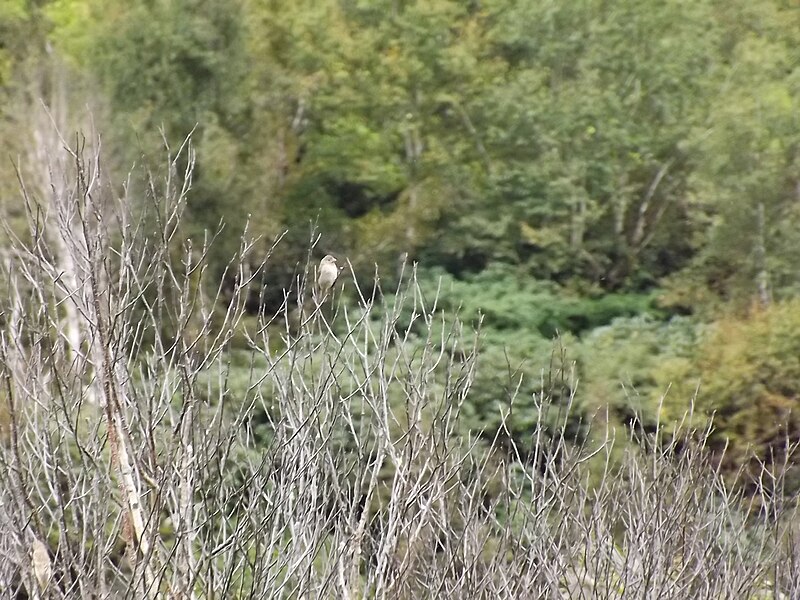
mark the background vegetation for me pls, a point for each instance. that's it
(608, 191)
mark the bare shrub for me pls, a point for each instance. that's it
(164, 443)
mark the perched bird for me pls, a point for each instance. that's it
(326, 275)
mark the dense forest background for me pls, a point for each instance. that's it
(611, 187)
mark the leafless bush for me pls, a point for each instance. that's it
(136, 462)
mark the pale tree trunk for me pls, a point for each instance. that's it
(647, 219)
(644, 227)
(49, 171)
(578, 228)
(70, 199)
(762, 272)
(414, 149)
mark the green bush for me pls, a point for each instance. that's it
(512, 300)
(746, 374)
(619, 364)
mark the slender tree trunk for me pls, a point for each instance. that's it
(762, 274)
(578, 225)
(414, 148)
(50, 183)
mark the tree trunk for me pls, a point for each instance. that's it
(762, 272)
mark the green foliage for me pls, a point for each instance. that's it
(582, 143)
(743, 188)
(513, 302)
(170, 62)
(521, 364)
(13, 15)
(591, 126)
(747, 373)
(168, 68)
(621, 366)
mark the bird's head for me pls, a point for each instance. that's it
(328, 260)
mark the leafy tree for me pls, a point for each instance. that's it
(383, 139)
(744, 192)
(621, 366)
(592, 126)
(15, 22)
(168, 68)
(748, 372)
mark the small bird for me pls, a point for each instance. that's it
(326, 275)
